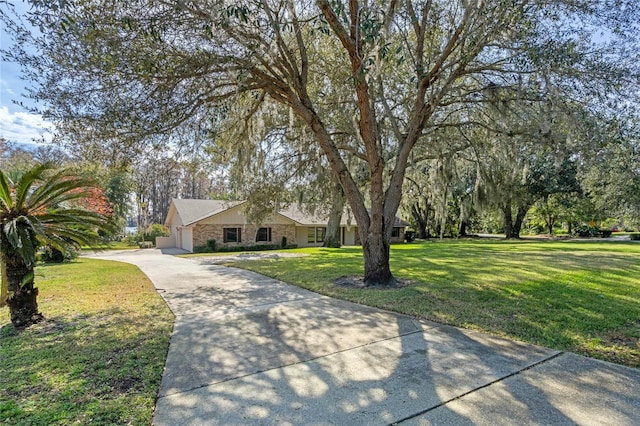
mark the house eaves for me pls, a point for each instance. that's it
(192, 211)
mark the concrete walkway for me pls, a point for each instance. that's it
(247, 349)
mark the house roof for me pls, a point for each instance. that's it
(294, 213)
(192, 211)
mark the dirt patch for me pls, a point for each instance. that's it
(122, 385)
(357, 281)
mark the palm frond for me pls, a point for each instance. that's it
(43, 212)
(5, 192)
(59, 189)
(28, 180)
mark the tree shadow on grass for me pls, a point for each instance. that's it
(87, 368)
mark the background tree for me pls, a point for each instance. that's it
(611, 174)
(38, 208)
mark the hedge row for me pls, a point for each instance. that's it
(211, 248)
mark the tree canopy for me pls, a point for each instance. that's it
(387, 72)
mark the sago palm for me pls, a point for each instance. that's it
(40, 207)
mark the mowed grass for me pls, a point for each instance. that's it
(576, 296)
(99, 356)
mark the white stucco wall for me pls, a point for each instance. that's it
(166, 242)
(236, 216)
(349, 236)
(185, 239)
(301, 236)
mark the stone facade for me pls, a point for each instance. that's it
(205, 232)
(400, 238)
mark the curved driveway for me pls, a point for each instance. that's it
(247, 349)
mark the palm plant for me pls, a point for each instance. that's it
(39, 207)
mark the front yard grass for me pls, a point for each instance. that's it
(98, 357)
(577, 296)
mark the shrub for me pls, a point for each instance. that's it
(258, 247)
(53, 255)
(132, 240)
(231, 249)
(211, 245)
(590, 231)
(635, 236)
(585, 231)
(536, 229)
(283, 243)
(604, 233)
(155, 230)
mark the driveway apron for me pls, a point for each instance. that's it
(247, 349)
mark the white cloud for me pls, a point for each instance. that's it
(23, 127)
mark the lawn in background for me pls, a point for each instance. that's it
(577, 296)
(98, 357)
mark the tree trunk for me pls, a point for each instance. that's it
(462, 228)
(374, 226)
(421, 217)
(517, 225)
(22, 295)
(4, 291)
(443, 218)
(465, 212)
(376, 261)
(332, 236)
(550, 222)
(508, 220)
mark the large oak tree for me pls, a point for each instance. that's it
(125, 70)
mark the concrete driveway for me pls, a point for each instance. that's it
(247, 349)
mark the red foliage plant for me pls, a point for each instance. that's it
(95, 201)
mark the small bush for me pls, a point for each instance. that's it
(604, 233)
(132, 240)
(233, 249)
(536, 229)
(155, 230)
(211, 245)
(635, 236)
(283, 243)
(258, 247)
(53, 255)
(591, 231)
(585, 231)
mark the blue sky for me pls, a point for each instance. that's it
(17, 124)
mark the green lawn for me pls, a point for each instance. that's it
(577, 296)
(99, 356)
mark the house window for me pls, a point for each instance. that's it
(395, 233)
(232, 235)
(263, 234)
(316, 235)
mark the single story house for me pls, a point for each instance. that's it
(194, 222)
